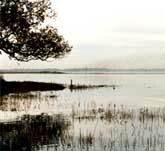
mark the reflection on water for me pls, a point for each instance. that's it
(85, 127)
(93, 120)
(133, 90)
(32, 132)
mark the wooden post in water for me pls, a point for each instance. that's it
(71, 84)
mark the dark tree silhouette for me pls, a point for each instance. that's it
(24, 34)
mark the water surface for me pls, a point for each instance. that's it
(130, 117)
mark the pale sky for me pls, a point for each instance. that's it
(104, 32)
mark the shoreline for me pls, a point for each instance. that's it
(27, 86)
(84, 73)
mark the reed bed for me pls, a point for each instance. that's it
(122, 129)
(113, 112)
(90, 126)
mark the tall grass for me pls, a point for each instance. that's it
(89, 127)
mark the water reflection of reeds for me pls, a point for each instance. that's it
(32, 132)
(121, 128)
(88, 127)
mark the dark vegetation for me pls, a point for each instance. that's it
(7, 87)
(32, 131)
(24, 34)
(122, 128)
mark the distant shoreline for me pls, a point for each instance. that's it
(147, 72)
(32, 73)
(83, 71)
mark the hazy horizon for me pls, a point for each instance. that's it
(107, 33)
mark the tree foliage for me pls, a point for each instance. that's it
(24, 34)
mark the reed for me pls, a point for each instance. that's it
(87, 127)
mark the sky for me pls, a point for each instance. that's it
(107, 33)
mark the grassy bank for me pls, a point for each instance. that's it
(7, 87)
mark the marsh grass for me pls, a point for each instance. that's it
(86, 140)
(112, 112)
(91, 126)
(32, 131)
(124, 129)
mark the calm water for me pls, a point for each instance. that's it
(93, 119)
(133, 89)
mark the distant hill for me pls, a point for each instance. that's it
(82, 70)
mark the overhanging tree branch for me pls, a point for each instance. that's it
(21, 35)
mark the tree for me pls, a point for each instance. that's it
(24, 34)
